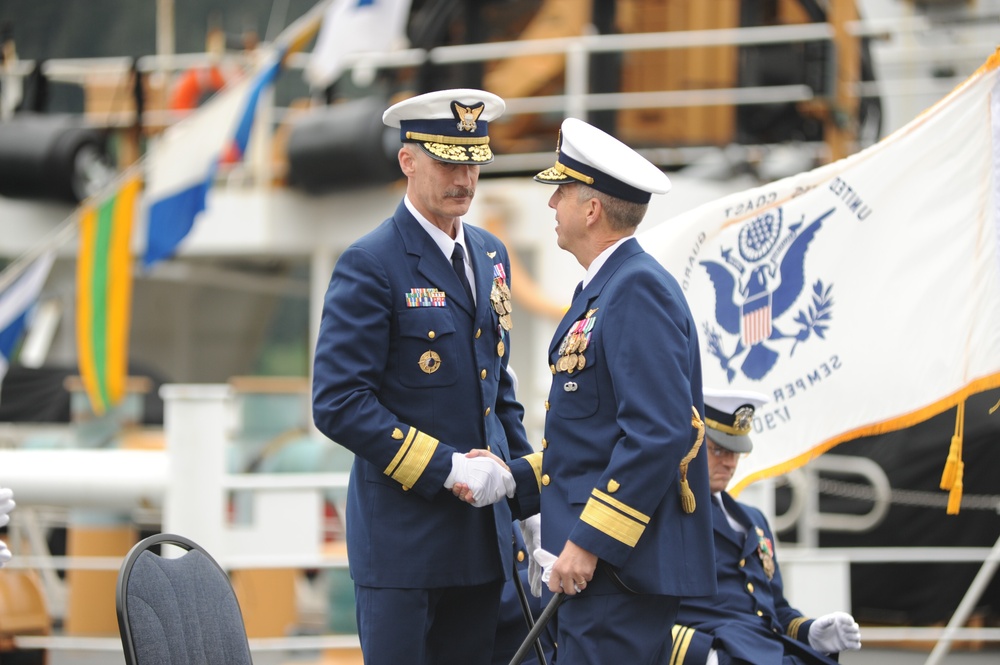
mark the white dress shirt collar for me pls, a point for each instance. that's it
(601, 259)
(440, 238)
(739, 528)
(444, 241)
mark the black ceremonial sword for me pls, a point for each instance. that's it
(536, 630)
(530, 620)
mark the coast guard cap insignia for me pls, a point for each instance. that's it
(467, 115)
(743, 419)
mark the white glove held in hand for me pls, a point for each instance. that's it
(5, 554)
(835, 632)
(6, 505)
(531, 530)
(546, 560)
(712, 658)
(488, 481)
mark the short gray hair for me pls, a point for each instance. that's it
(622, 215)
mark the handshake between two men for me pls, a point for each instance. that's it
(479, 477)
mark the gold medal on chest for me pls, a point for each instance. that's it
(765, 550)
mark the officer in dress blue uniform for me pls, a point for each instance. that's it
(749, 620)
(410, 375)
(624, 497)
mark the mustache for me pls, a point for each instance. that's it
(460, 192)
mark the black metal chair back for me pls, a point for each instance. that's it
(178, 611)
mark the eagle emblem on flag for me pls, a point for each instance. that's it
(755, 284)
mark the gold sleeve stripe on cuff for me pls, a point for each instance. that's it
(607, 520)
(401, 453)
(628, 510)
(682, 641)
(535, 460)
(793, 627)
(412, 458)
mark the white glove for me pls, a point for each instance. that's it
(5, 554)
(488, 481)
(546, 560)
(835, 632)
(531, 530)
(6, 505)
(712, 658)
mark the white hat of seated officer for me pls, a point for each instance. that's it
(729, 414)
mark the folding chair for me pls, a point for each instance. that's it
(178, 611)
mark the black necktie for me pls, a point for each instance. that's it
(577, 290)
(458, 262)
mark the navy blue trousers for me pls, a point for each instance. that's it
(615, 628)
(446, 626)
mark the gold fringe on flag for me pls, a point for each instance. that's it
(954, 468)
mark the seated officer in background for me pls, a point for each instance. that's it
(749, 620)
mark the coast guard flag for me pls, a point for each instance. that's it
(16, 303)
(863, 296)
(354, 26)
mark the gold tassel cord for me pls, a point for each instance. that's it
(688, 502)
(955, 494)
(954, 468)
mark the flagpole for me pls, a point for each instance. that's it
(57, 237)
(314, 16)
(66, 229)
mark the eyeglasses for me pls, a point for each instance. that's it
(719, 451)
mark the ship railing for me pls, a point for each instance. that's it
(577, 98)
(187, 488)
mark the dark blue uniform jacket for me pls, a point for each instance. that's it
(618, 426)
(749, 618)
(404, 377)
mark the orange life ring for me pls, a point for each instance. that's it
(194, 86)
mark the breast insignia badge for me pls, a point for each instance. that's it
(429, 362)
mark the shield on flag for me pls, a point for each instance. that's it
(756, 316)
